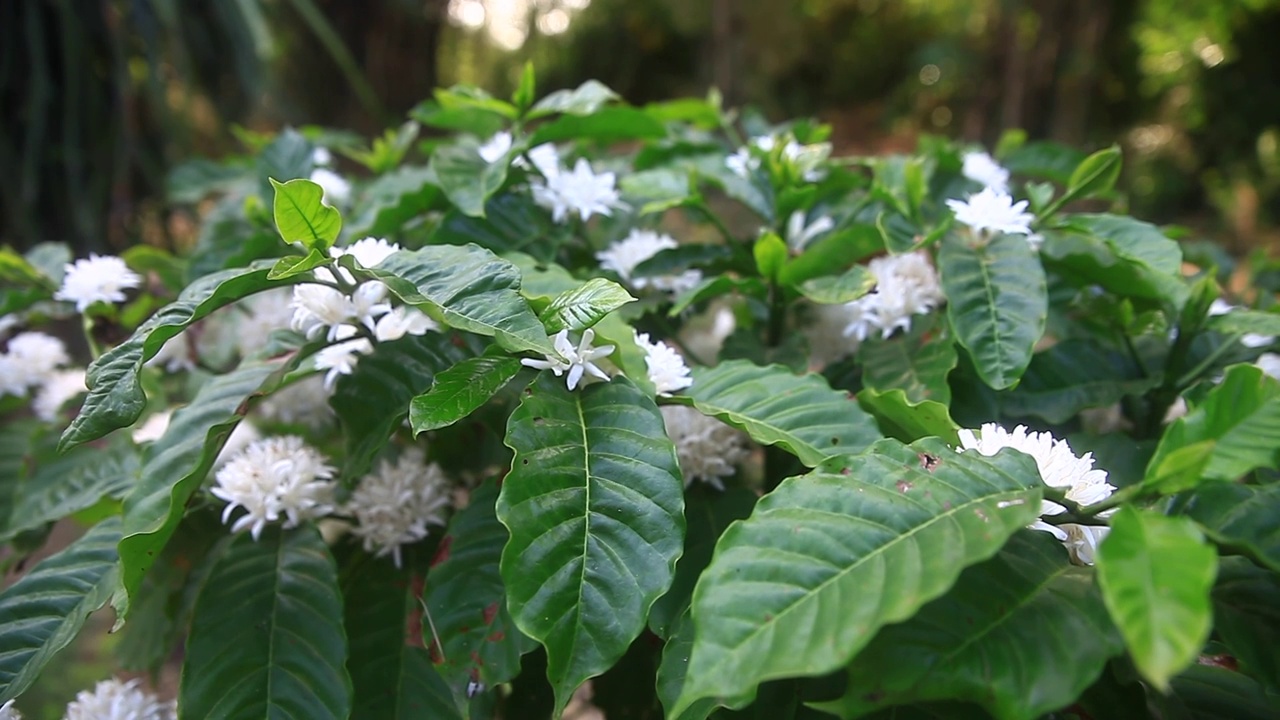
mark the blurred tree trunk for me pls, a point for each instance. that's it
(724, 32)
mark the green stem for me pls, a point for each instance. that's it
(1187, 378)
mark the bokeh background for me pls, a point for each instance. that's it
(100, 98)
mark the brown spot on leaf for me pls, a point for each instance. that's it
(903, 486)
(929, 462)
(497, 636)
(442, 552)
(490, 612)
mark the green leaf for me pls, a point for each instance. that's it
(1071, 376)
(997, 302)
(472, 290)
(68, 484)
(267, 638)
(786, 593)
(394, 200)
(302, 216)
(374, 400)
(43, 611)
(584, 306)
(585, 99)
(1044, 160)
(1246, 615)
(1125, 256)
(606, 125)
(1021, 634)
(1095, 176)
(899, 417)
(675, 668)
(526, 91)
(916, 362)
(594, 503)
(459, 391)
(1215, 693)
(771, 254)
(466, 178)
(476, 639)
(1243, 320)
(1239, 517)
(838, 289)
(392, 675)
(799, 413)
(1236, 429)
(714, 287)
(115, 396)
(174, 466)
(837, 251)
(293, 265)
(512, 222)
(659, 189)
(1156, 573)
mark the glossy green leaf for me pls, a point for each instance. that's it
(1021, 634)
(43, 611)
(115, 396)
(392, 675)
(1243, 320)
(997, 302)
(302, 216)
(1235, 429)
(512, 222)
(916, 362)
(837, 251)
(68, 484)
(266, 638)
(459, 391)
(1071, 376)
(799, 413)
(584, 306)
(1156, 573)
(899, 417)
(374, 400)
(838, 289)
(293, 265)
(471, 288)
(585, 99)
(476, 639)
(466, 178)
(1239, 517)
(786, 592)
(675, 667)
(174, 466)
(1125, 256)
(610, 124)
(594, 503)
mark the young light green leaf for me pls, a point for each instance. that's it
(594, 503)
(1021, 634)
(838, 289)
(786, 592)
(997, 302)
(526, 91)
(584, 306)
(1095, 176)
(43, 611)
(267, 638)
(459, 391)
(799, 413)
(899, 417)
(771, 254)
(1236, 429)
(302, 216)
(1239, 517)
(292, 265)
(1156, 573)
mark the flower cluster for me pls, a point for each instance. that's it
(804, 160)
(625, 255)
(983, 169)
(29, 361)
(1061, 469)
(667, 370)
(578, 361)
(393, 506)
(98, 278)
(116, 700)
(801, 232)
(906, 285)
(993, 211)
(273, 478)
(580, 192)
(707, 449)
(337, 191)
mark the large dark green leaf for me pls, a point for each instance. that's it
(267, 639)
(1156, 573)
(459, 391)
(42, 612)
(675, 667)
(799, 413)
(1246, 615)
(392, 676)
(594, 505)
(374, 400)
(1021, 634)
(393, 200)
(476, 638)
(1071, 376)
(916, 362)
(1205, 692)
(512, 222)
(471, 288)
(174, 466)
(997, 302)
(1236, 429)
(466, 178)
(70, 483)
(115, 396)
(1127, 257)
(1240, 517)
(786, 593)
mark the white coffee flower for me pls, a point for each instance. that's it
(991, 211)
(906, 286)
(1060, 468)
(280, 477)
(708, 449)
(262, 315)
(496, 147)
(305, 402)
(576, 361)
(9, 712)
(31, 359)
(742, 163)
(321, 157)
(1249, 340)
(368, 303)
(545, 158)
(393, 505)
(154, 427)
(667, 370)
(800, 232)
(403, 321)
(59, 388)
(1270, 364)
(175, 355)
(625, 255)
(341, 359)
(981, 168)
(320, 308)
(336, 189)
(117, 700)
(580, 192)
(369, 252)
(98, 278)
